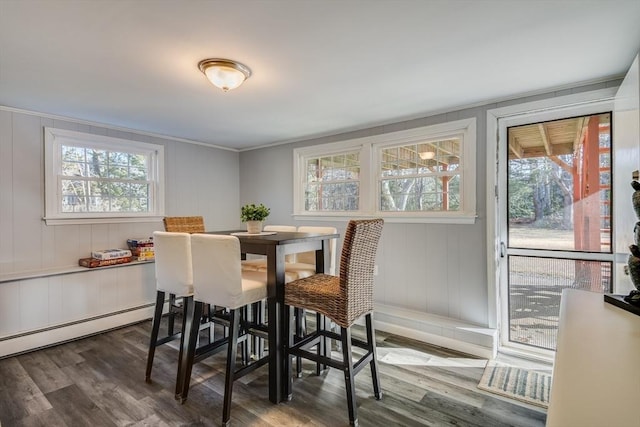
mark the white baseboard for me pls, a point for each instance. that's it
(56, 335)
(437, 330)
(441, 331)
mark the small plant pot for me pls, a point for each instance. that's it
(254, 227)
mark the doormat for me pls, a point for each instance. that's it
(526, 385)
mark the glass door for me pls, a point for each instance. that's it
(556, 232)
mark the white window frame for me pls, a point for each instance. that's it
(54, 138)
(370, 149)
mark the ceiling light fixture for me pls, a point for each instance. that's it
(224, 73)
(427, 155)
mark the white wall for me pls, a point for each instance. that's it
(432, 283)
(430, 275)
(200, 180)
(626, 134)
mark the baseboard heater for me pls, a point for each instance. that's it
(25, 342)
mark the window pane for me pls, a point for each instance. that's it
(422, 176)
(73, 169)
(98, 204)
(137, 173)
(73, 154)
(561, 201)
(332, 183)
(99, 168)
(116, 159)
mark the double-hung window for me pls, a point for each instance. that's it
(425, 174)
(94, 178)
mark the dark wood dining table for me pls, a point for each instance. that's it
(275, 247)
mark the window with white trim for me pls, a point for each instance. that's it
(424, 174)
(99, 177)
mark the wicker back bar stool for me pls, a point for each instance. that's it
(342, 299)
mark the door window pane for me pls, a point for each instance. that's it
(559, 184)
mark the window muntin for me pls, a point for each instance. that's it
(332, 183)
(93, 176)
(393, 180)
(102, 180)
(420, 177)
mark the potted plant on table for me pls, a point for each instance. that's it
(253, 215)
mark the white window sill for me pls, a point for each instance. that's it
(430, 219)
(101, 220)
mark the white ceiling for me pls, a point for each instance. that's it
(319, 67)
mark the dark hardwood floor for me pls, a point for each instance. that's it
(99, 381)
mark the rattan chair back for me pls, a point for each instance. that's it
(356, 268)
(184, 224)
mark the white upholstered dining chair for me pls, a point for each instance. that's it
(219, 279)
(175, 277)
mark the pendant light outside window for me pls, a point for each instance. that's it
(427, 155)
(224, 73)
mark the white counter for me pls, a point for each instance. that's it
(596, 374)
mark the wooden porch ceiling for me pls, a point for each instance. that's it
(443, 152)
(551, 138)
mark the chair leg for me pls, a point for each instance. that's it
(256, 316)
(321, 349)
(187, 310)
(349, 383)
(335, 328)
(246, 354)
(172, 313)
(371, 341)
(188, 344)
(300, 331)
(232, 348)
(155, 328)
(288, 336)
(205, 321)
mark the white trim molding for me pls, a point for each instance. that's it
(455, 334)
(542, 110)
(55, 138)
(369, 149)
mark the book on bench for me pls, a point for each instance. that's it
(94, 262)
(106, 254)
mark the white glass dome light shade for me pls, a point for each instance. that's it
(224, 73)
(427, 155)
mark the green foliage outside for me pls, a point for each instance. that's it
(95, 180)
(540, 192)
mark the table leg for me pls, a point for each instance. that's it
(275, 302)
(275, 352)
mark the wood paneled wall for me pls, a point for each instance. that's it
(434, 274)
(432, 277)
(200, 180)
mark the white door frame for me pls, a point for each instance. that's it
(497, 119)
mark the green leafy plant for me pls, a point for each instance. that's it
(254, 212)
